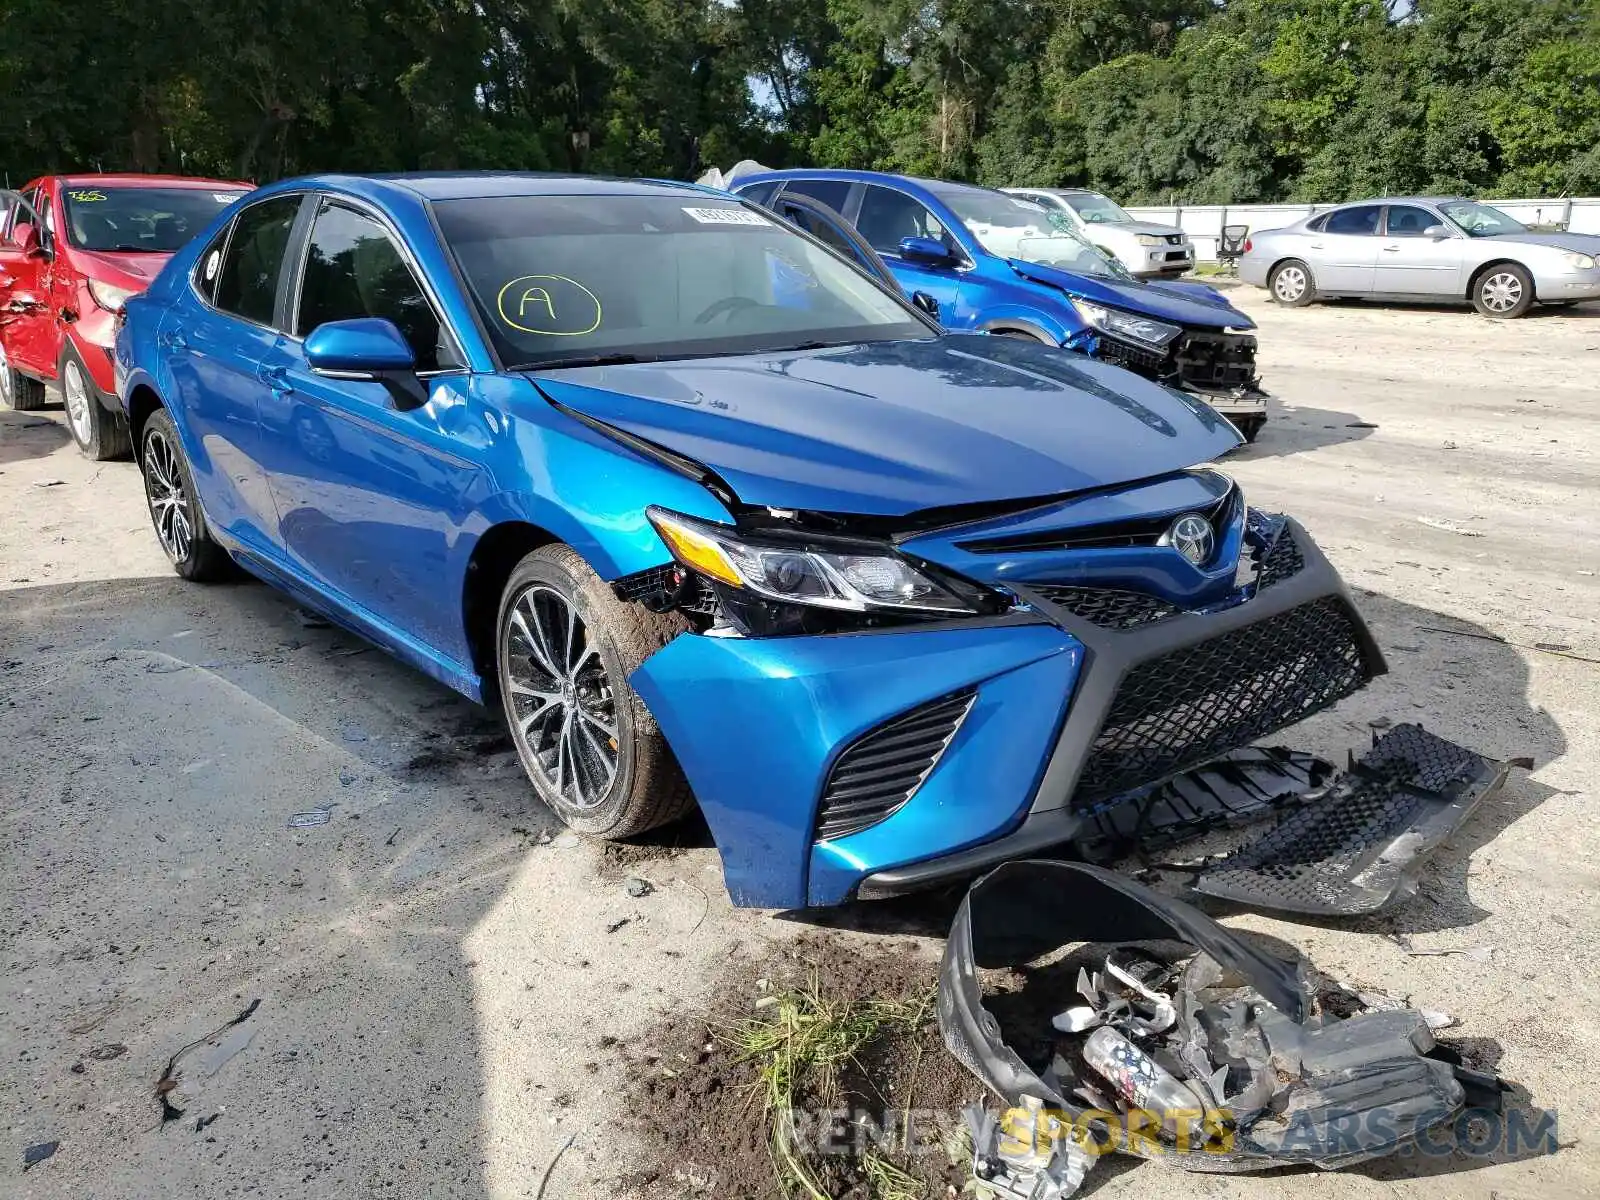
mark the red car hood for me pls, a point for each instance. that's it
(134, 271)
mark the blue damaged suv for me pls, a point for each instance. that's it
(1006, 265)
(714, 518)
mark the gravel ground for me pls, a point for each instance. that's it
(443, 979)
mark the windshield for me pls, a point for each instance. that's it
(1097, 209)
(157, 220)
(1479, 220)
(1012, 227)
(560, 279)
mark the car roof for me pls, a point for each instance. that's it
(1399, 200)
(465, 185)
(166, 181)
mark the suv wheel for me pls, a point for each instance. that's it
(100, 433)
(1292, 284)
(174, 506)
(566, 646)
(18, 391)
(1503, 291)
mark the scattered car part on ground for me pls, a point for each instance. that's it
(1143, 247)
(1212, 1057)
(1423, 248)
(1011, 266)
(72, 249)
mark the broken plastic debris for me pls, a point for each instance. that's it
(1030, 1155)
(638, 888)
(36, 1154)
(1076, 1019)
(313, 816)
(1303, 1075)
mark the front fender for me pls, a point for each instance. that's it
(1026, 318)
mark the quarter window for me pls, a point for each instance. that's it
(1361, 220)
(1406, 220)
(354, 269)
(887, 216)
(247, 282)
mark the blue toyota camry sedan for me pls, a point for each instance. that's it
(717, 519)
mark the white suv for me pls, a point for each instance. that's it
(1144, 248)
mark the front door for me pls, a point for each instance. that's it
(371, 498)
(1346, 250)
(884, 219)
(1412, 264)
(214, 353)
(27, 317)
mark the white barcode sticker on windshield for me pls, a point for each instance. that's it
(726, 216)
(226, 197)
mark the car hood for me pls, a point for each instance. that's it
(1183, 304)
(133, 271)
(889, 428)
(1580, 243)
(1091, 228)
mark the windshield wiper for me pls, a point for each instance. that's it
(617, 359)
(126, 249)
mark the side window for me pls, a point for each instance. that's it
(354, 269)
(247, 282)
(832, 192)
(1408, 221)
(887, 216)
(1316, 223)
(1361, 220)
(760, 193)
(22, 209)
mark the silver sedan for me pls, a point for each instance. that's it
(1423, 248)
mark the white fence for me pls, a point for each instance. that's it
(1203, 222)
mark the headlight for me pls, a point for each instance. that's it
(108, 297)
(1125, 324)
(852, 580)
(1150, 239)
(1578, 262)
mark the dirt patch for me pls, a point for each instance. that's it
(887, 1112)
(620, 859)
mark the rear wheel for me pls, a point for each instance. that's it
(1292, 284)
(174, 506)
(100, 433)
(18, 391)
(1503, 291)
(566, 646)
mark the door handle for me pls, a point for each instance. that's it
(1391, 249)
(1315, 246)
(172, 339)
(277, 378)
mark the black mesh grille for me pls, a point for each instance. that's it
(1188, 706)
(1146, 362)
(1219, 360)
(1109, 608)
(1282, 561)
(883, 768)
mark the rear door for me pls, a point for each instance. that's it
(213, 349)
(1346, 250)
(371, 498)
(1412, 264)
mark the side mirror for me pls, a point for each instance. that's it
(1436, 232)
(367, 349)
(27, 237)
(924, 249)
(926, 303)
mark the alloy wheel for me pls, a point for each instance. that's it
(76, 391)
(1501, 292)
(169, 499)
(561, 702)
(1289, 284)
(5, 379)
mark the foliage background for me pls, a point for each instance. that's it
(1195, 100)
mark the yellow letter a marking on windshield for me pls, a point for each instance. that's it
(536, 294)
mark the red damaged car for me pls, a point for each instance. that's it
(72, 249)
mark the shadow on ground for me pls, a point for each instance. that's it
(25, 435)
(1295, 429)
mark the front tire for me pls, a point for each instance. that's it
(100, 433)
(175, 506)
(18, 392)
(592, 750)
(1292, 284)
(1503, 292)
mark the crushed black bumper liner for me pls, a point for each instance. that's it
(1263, 1044)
